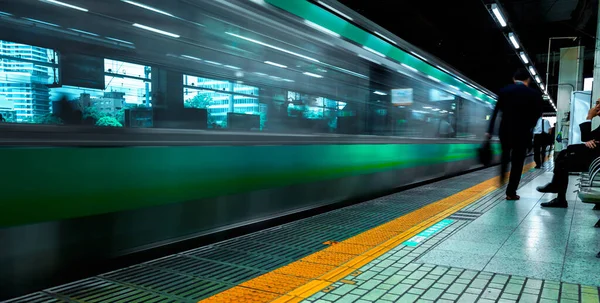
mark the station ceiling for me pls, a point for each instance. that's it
(466, 36)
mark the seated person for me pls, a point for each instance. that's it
(576, 158)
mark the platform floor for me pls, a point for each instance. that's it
(456, 240)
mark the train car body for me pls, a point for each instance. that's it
(197, 117)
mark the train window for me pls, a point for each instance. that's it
(25, 73)
(224, 101)
(30, 89)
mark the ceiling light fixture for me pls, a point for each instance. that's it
(379, 93)
(513, 40)
(524, 57)
(532, 71)
(498, 14)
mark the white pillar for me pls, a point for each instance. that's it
(596, 83)
(570, 79)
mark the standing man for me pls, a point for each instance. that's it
(521, 107)
(541, 132)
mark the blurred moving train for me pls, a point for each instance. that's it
(198, 116)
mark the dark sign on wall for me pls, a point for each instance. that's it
(82, 71)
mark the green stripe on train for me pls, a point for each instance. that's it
(46, 184)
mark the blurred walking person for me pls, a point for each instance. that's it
(521, 107)
(541, 133)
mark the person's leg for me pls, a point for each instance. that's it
(505, 160)
(543, 153)
(536, 151)
(576, 158)
(516, 170)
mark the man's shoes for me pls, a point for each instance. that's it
(512, 197)
(556, 203)
(548, 189)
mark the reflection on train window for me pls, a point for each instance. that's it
(224, 101)
(30, 90)
(25, 72)
(125, 100)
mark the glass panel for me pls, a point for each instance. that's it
(25, 71)
(244, 101)
(26, 97)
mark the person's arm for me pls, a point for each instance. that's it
(497, 108)
(586, 127)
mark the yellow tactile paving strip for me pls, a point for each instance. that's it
(311, 274)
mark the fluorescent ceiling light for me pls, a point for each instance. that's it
(386, 38)
(542, 86)
(150, 8)
(513, 40)
(435, 109)
(5, 13)
(524, 58)
(275, 64)
(335, 10)
(374, 51)
(260, 74)
(468, 93)
(532, 70)
(41, 22)
(434, 79)
(369, 59)
(273, 47)
(313, 75)
(232, 67)
(119, 40)
(454, 87)
(538, 80)
(66, 5)
(498, 14)
(322, 29)
(409, 67)
(427, 107)
(84, 32)
(152, 29)
(213, 62)
(379, 93)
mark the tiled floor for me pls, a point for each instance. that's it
(521, 238)
(513, 252)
